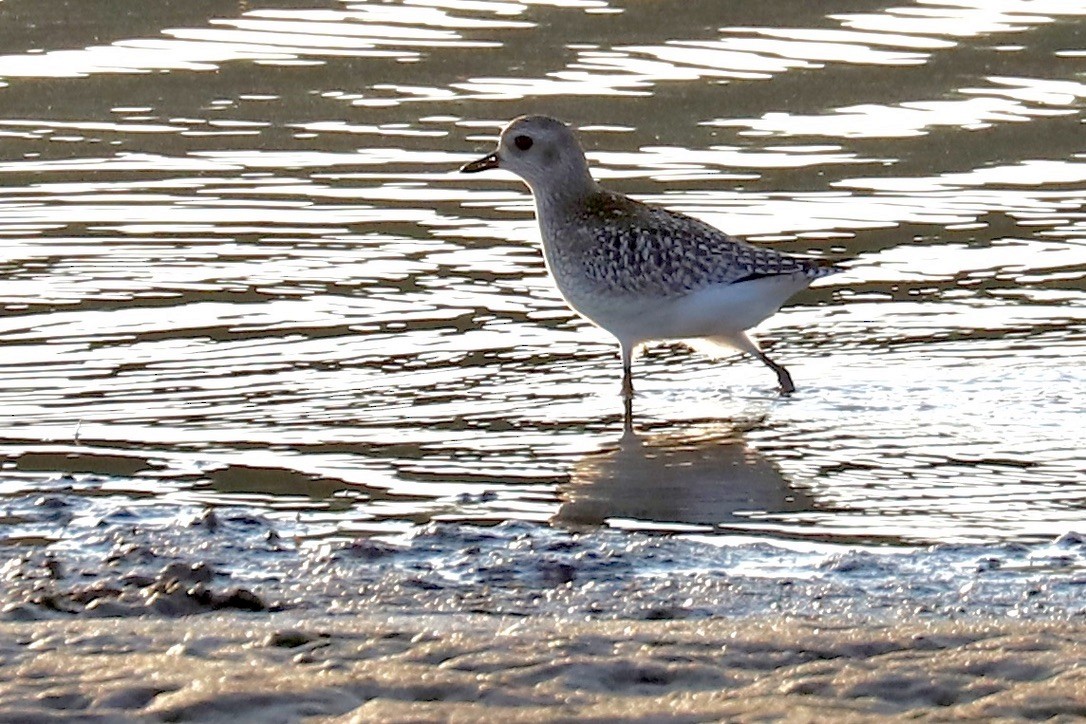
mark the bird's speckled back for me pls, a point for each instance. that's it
(616, 245)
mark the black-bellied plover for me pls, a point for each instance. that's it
(641, 272)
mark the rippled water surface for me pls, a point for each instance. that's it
(237, 265)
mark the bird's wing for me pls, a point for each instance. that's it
(648, 248)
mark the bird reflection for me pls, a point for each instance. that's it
(707, 476)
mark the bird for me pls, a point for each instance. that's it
(641, 272)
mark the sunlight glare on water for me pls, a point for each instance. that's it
(237, 264)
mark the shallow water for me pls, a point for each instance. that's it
(237, 266)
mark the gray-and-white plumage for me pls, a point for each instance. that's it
(643, 272)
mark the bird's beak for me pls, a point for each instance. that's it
(488, 161)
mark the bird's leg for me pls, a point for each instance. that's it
(746, 344)
(627, 388)
(785, 379)
(627, 371)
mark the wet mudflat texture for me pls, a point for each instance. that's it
(293, 423)
(473, 667)
(192, 614)
(174, 562)
(198, 615)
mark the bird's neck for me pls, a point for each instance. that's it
(575, 192)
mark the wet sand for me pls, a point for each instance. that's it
(476, 667)
(215, 616)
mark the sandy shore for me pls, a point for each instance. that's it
(223, 616)
(473, 667)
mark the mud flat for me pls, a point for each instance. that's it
(476, 667)
(169, 613)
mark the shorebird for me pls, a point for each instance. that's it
(641, 272)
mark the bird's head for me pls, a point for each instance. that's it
(542, 151)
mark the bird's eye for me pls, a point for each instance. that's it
(522, 142)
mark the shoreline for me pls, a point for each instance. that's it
(289, 666)
(225, 614)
